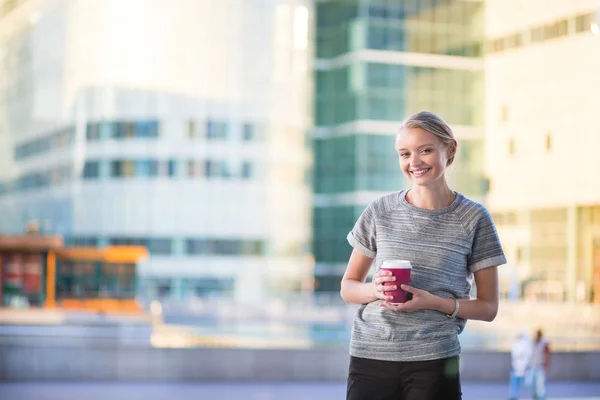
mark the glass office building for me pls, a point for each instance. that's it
(378, 62)
(179, 125)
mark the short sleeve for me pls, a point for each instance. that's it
(486, 250)
(363, 235)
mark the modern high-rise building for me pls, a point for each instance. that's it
(379, 61)
(181, 125)
(542, 141)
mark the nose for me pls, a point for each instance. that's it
(415, 159)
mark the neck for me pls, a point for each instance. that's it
(431, 198)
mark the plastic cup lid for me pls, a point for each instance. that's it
(396, 264)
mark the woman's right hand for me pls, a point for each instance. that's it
(379, 279)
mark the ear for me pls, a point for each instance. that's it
(452, 147)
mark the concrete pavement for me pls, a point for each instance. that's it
(253, 391)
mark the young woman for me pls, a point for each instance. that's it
(410, 351)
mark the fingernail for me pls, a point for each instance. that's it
(394, 278)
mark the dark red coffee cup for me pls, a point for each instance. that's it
(401, 270)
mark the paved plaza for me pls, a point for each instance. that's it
(252, 391)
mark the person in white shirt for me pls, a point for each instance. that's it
(540, 363)
(520, 358)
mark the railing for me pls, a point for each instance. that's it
(325, 320)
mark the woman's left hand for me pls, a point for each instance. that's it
(421, 300)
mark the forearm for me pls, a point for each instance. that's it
(477, 309)
(546, 358)
(356, 292)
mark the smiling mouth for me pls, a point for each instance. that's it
(420, 172)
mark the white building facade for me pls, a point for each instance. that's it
(542, 140)
(180, 125)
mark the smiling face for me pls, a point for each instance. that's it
(423, 156)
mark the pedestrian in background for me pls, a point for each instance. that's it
(409, 351)
(520, 357)
(540, 363)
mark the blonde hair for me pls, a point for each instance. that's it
(434, 124)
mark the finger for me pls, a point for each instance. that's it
(409, 289)
(394, 307)
(387, 279)
(386, 298)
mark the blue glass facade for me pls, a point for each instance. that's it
(362, 75)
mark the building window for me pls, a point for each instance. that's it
(122, 168)
(216, 130)
(91, 170)
(126, 241)
(548, 142)
(557, 29)
(123, 130)
(514, 41)
(194, 169)
(145, 129)
(82, 241)
(58, 140)
(172, 168)
(247, 132)
(136, 129)
(160, 246)
(195, 246)
(562, 28)
(206, 287)
(116, 168)
(59, 175)
(511, 147)
(246, 170)
(163, 288)
(519, 255)
(191, 129)
(147, 168)
(539, 34)
(165, 168)
(92, 131)
(504, 113)
(156, 246)
(498, 45)
(584, 22)
(224, 171)
(224, 247)
(216, 168)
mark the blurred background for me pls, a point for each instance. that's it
(178, 177)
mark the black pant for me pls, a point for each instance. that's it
(398, 380)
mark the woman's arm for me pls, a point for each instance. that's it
(483, 308)
(354, 289)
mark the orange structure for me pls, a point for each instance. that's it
(37, 271)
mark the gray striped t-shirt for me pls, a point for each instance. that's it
(445, 248)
